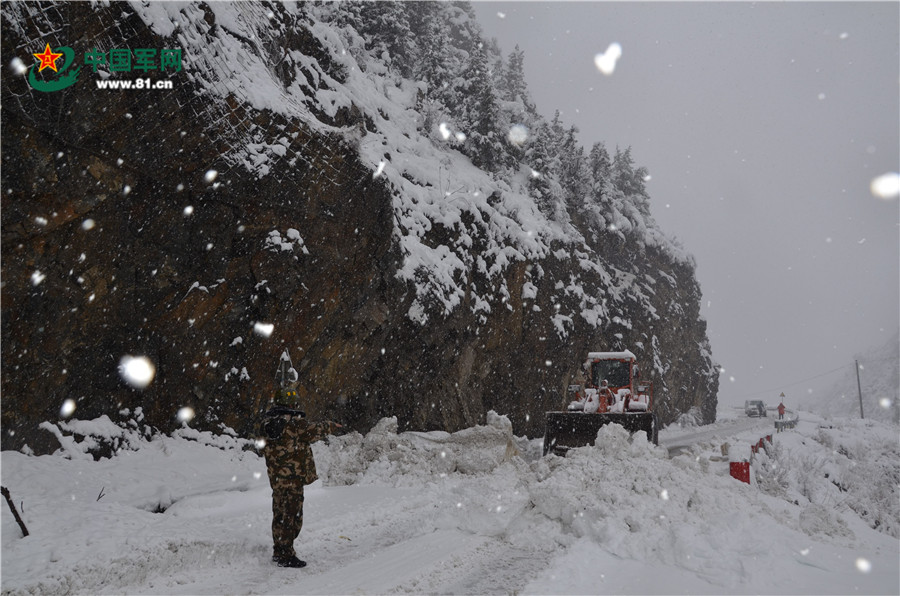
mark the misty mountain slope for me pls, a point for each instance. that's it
(879, 381)
(419, 256)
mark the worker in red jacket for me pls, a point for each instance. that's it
(607, 398)
(781, 411)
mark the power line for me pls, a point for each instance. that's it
(794, 383)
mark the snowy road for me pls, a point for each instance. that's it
(679, 440)
(372, 540)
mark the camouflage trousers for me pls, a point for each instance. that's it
(287, 514)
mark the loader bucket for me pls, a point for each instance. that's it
(567, 430)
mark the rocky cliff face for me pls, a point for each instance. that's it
(281, 181)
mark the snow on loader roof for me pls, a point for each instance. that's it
(626, 355)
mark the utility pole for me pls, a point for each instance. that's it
(859, 389)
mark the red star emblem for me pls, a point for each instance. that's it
(48, 59)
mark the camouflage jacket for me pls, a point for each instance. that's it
(288, 436)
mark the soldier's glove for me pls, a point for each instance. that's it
(274, 428)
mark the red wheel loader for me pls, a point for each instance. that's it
(612, 392)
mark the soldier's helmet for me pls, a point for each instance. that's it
(286, 396)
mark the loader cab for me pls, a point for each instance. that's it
(614, 368)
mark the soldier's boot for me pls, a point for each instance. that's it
(291, 561)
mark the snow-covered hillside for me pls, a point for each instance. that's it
(387, 219)
(435, 184)
(477, 511)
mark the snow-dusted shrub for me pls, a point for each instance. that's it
(840, 470)
(771, 475)
(98, 438)
(102, 438)
(818, 519)
(874, 487)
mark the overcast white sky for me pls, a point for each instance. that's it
(762, 126)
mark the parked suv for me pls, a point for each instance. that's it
(755, 407)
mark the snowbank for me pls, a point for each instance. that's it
(477, 511)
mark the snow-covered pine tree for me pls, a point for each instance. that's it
(435, 69)
(630, 180)
(543, 158)
(480, 113)
(515, 88)
(574, 172)
(386, 28)
(601, 167)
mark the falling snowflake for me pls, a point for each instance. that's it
(886, 186)
(210, 176)
(185, 414)
(606, 62)
(88, 224)
(263, 329)
(18, 66)
(68, 408)
(517, 135)
(137, 371)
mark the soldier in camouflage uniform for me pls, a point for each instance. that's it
(290, 465)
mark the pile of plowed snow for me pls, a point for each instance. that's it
(477, 511)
